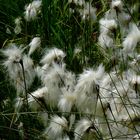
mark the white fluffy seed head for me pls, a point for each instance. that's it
(106, 25)
(129, 44)
(18, 103)
(89, 79)
(13, 56)
(117, 5)
(56, 127)
(132, 39)
(87, 89)
(34, 44)
(53, 55)
(34, 98)
(32, 10)
(70, 81)
(14, 68)
(18, 80)
(8, 31)
(81, 128)
(39, 93)
(66, 102)
(53, 95)
(37, 4)
(30, 13)
(39, 72)
(88, 12)
(134, 30)
(27, 62)
(54, 76)
(29, 70)
(105, 41)
(77, 51)
(13, 53)
(18, 21)
(17, 29)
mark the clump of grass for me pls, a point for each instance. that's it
(70, 70)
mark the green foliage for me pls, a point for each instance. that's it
(56, 26)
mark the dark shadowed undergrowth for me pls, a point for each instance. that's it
(69, 70)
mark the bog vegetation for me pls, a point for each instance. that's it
(70, 70)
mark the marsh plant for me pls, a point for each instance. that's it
(70, 71)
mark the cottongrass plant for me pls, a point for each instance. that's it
(85, 9)
(15, 69)
(34, 44)
(87, 89)
(32, 10)
(57, 127)
(98, 103)
(18, 23)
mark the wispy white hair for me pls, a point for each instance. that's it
(117, 4)
(29, 74)
(13, 65)
(107, 25)
(34, 98)
(56, 127)
(131, 40)
(18, 22)
(89, 76)
(53, 55)
(34, 44)
(66, 101)
(13, 54)
(18, 104)
(32, 10)
(87, 88)
(54, 78)
(81, 127)
(88, 12)
(105, 41)
(29, 70)
(70, 81)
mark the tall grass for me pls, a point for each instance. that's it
(82, 80)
